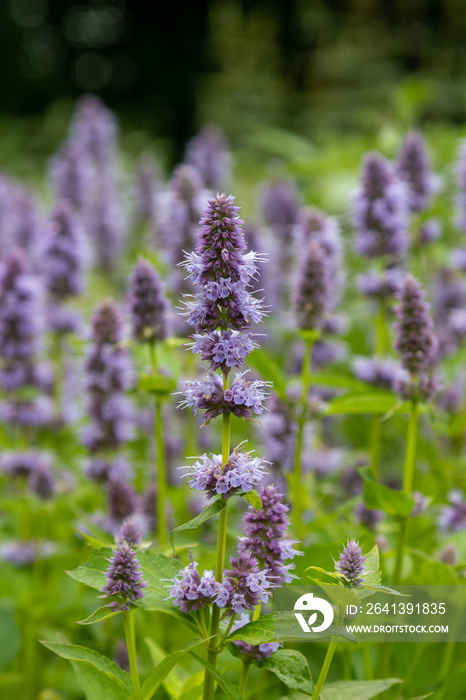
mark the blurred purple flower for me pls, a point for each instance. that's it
(381, 284)
(416, 342)
(414, 167)
(453, 516)
(124, 578)
(148, 304)
(383, 372)
(313, 289)
(209, 153)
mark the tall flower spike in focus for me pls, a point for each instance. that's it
(380, 210)
(148, 304)
(416, 342)
(414, 167)
(351, 564)
(124, 578)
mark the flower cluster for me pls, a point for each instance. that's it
(244, 585)
(266, 539)
(280, 207)
(190, 591)
(108, 376)
(413, 167)
(453, 516)
(208, 152)
(223, 349)
(313, 291)
(124, 579)
(381, 210)
(240, 474)
(148, 305)
(383, 372)
(381, 285)
(416, 342)
(351, 565)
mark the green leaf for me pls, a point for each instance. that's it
(224, 682)
(95, 543)
(331, 574)
(422, 697)
(163, 669)
(438, 574)
(394, 503)
(158, 384)
(376, 403)
(100, 614)
(292, 668)
(279, 627)
(342, 381)
(97, 685)
(209, 512)
(106, 667)
(372, 563)
(269, 370)
(357, 690)
(92, 572)
(253, 498)
(8, 631)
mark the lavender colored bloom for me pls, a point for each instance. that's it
(327, 352)
(223, 349)
(208, 152)
(102, 469)
(451, 398)
(122, 500)
(223, 270)
(244, 585)
(266, 537)
(457, 322)
(190, 591)
(42, 481)
(326, 461)
(72, 176)
(380, 210)
(429, 232)
(279, 434)
(351, 564)
(33, 413)
(63, 253)
(416, 342)
(424, 389)
(458, 259)
(94, 130)
(381, 284)
(148, 304)
(258, 652)
(240, 474)
(105, 223)
(313, 290)
(124, 579)
(460, 199)
(383, 372)
(20, 465)
(368, 517)
(420, 504)
(109, 375)
(280, 206)
(453, 516)
(146, 186)
(449, 555)
(132, 529)
(414, 167)
(19, 553)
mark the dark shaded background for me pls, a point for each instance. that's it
(296, 64)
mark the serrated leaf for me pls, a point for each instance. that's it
(98, 615)
(331, 574)
(76, 653)
(95, 543)
(163, 669)
(292, 668)
(372, 575)
(376, 403)
(224, 682)
(395, 503)
(280, 627)
(357, 690)
(92, 572)
(209, 512)
(253, 498)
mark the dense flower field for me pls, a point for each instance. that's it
(198, 410)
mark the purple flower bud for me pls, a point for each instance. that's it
(72, 176)
(132, 529)
(368, 517)
(244, 585)
(414, 168)
(312, 299)
(191, 591)
(148, 304)
(259, 652)
(380, 210)
(453, 516)
(122, 500)
(19, 553)
(102, 470)
(266, 537)
(243, 398)
(241, 473)
(124, 578)
(208, 152)
(416, 342)
(351, 564)
(94, 129)
(280, 206)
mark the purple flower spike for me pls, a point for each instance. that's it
(132, 529)
(241, 473)
(381, 285)
(453, 516)
(461, 186)
(416, 342)
(122, 500)
(146, 186)
(313, 290)
(208, 152)
(383, 372)
(266, 536)
(381, 210)
(42, 481)
(244, 586)
(190, 591)
(280, 206)
(124, 579)
(72, 176)
(414, 167)
(351, 564)
(94, 129)
(63, 253)
(148, 304)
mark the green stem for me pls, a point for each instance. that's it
(215, 647)
(128, 621)
(408, 480)
(244, 676)
(381, 338)
(325, 668)
(161, 491)
(297, 481)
